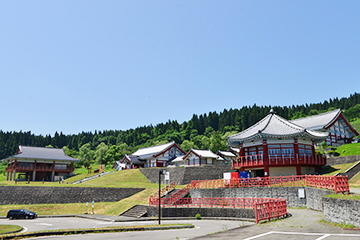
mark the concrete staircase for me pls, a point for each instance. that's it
(92, 177)
(135, 211)
(351, 172)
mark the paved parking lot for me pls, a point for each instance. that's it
(302, 225)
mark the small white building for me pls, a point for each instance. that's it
(227, 156)
(155, 156)
(196, 157)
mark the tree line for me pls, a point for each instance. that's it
(204, 131)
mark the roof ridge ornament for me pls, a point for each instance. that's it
(272, 111)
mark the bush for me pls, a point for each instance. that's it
(198, 217)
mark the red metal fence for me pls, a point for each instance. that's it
(265, 208)
(339, 184)
(269, 210)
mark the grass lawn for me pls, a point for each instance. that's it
(9, 228)
(106, 208)
(356, 124)
(122, 179)
(340, 168)
(349, 149)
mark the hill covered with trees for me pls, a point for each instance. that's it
(204, 131)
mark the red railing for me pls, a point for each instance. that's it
(334, 183)
(278, 160)
(155, 196)
(265, 208)
(269, 210)
(38, 168)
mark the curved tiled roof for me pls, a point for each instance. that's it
(36, 153)
(274, 126)
(150, 151)
(319, 121)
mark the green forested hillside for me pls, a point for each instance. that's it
(204, 131)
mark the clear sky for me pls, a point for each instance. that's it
(73, 66)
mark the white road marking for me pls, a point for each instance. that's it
(323, 235)
(24, 230)
(44, 224)
(257, 236)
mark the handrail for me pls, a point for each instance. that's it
(163, 190)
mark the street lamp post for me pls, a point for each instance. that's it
(161, 172)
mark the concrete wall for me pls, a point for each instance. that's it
(282, 171)
(184, 175)
(313, 196)
(48, 195)
(341, 160)
(204, 212)
(342, 211)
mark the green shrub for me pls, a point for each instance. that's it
(198, 217)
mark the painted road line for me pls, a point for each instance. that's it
(257, 236)
(322, 235)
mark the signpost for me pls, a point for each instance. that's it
(161, 172)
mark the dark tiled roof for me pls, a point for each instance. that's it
(27, 152)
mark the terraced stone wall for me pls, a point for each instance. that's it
(47, 195)
(341, 160)
(204, 212)
(342, 211)
(184, 175)
(313, 197)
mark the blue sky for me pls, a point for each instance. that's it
(73, 66)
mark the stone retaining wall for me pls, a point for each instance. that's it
(48, 195)
(184, 175)
(312, 199)
(204, 212)
(342, 211)
(341, 160)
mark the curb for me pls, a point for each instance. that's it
(48, 233)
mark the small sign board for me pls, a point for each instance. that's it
(301, 193)
(167, 176)
(227, 175)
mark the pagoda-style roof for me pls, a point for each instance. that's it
(275, 127)
(41, 153)
(323, 121)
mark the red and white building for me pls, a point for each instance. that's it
(155, 156)
(334, 122)
(277, 147)
(196, 157)
(38, 164)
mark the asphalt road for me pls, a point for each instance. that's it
(202, 227)
(302, 225)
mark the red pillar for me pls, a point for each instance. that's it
(313, 149)
(265, 151)
(241, 151)
(298, 170)
(266, 171)
(296, 147)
